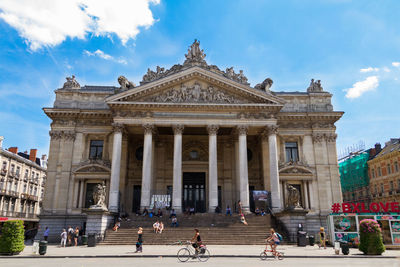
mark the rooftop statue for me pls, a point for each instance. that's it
(195, 55)
(71, 83)
(265, 85)
(125, 84)
(315, 86)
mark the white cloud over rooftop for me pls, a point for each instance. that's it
(359, 88)
(49, 22)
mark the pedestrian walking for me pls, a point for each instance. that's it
(70, 233)
(322, 237)
(64, 236)
(76, 235)
(46, 233)
(139, 242)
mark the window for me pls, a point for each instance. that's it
(26, 174)
(37, 177)
(24, 188)
(391, 186)
(12, 167)
(96, 149)
(373, 173)
(18, 170)
(396, 166)
(382, 188)
(33, 175)
(379, 171)
(4, 165)
(292, 153)
(15, 187)
(389, 170)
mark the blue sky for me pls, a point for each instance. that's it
(352, 46)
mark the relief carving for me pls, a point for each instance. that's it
(194, 94)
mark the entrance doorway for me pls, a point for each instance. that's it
(137, 192)
(194, 192)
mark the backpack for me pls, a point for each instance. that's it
(279, 236)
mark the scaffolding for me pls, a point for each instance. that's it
(354, 171)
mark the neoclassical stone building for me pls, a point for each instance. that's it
(190, 136)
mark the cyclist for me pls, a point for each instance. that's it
(196, 241)
(273, 241)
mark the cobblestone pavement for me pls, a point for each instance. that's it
(215, 262)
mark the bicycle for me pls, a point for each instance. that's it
(184, 254)
(269, 253)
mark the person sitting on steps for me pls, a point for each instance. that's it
(156, 226)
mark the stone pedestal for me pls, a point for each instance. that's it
(97, 222)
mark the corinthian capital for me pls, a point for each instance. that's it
(178, 128)
(149, 128)
(242, 129)
(55, 135)
(118, 127)
(212, 129)
(69, 135)
(272, 129)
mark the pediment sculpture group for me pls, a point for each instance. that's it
(195, 94)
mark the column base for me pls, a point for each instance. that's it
(178, 210)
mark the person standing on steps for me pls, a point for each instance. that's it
(139, 242)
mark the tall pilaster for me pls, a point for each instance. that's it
(113, 204)
(147, 166)
(212, 168)
(177, 172)
(243, 168)
(273, 169)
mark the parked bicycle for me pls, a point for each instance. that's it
(269, 253)
(184, 254)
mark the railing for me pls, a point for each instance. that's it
(6, 192)
(11, 174)
(18, 214)
(29, 197)
(3, 172)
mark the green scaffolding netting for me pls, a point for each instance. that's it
(354, 172)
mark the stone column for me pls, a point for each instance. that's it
(243, 170)
(147, 166)
(177, 172)
(305, 186)
(115, 168)
(273, 168)
(212, 168)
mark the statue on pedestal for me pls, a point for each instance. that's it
(293, 197)
(99, 198)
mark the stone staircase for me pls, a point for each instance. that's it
(215, 229)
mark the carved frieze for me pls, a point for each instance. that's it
(194, 94)
(319, 137)
(66, 135)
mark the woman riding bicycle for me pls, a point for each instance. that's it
(196, 241)
(273, 241)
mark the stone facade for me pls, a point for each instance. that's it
(22, 182)
(384, 172)
(200, 135)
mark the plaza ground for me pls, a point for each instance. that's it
(215, 262)
(221, 255)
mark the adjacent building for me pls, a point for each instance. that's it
(22, 182)
(190, 136)
(384, 172)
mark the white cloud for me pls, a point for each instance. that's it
(386, 69)
(369, 69)
(48, 22)
(396, 64)
(101, 54)
(361, 87)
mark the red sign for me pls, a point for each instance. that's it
(374, 207)
(3, 219)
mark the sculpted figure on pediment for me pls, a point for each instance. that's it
(194, 94)
(265, 85)
(125, 84)
(71, 83)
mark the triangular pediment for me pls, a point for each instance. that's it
(195, 85)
